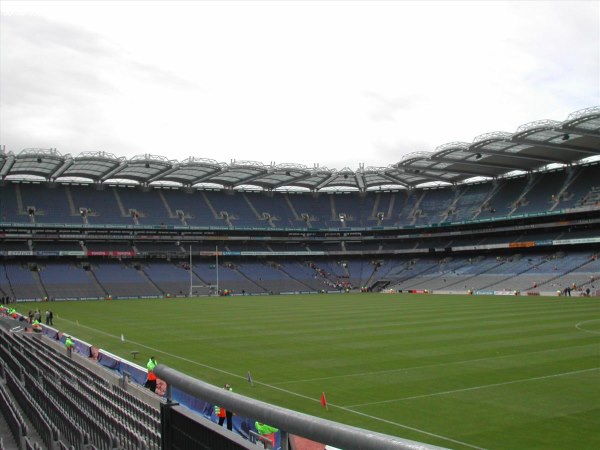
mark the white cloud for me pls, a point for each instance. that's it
(334, 83)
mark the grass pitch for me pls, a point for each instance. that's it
(461, 372)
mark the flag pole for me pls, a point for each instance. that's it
(217, 266)
(191, 270)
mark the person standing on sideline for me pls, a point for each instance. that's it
(151, 381)
(69, 346)
(223, 414)
(50, 317)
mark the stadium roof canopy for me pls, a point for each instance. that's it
(532, 147)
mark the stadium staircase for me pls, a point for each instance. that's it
(149, 280)
(252, 208)
(262, 288)
(451, 210)
(297, 218)
(16, 431)
(198, 277)
(39, 283)
(390, 208)
(375, 211)
(281, 269)
(72, 210)
(562, 274)
(571, 177)
(483, 272)
(373, 275)
(10, 292)
(210, 206)
(19, 199)
(415, 213)
(415, 278)
(487, 201)
(592, 197)
(96, 282)
(412, 274)
(517, 274)
(119, 203)
(167, 207)
(522, 199)
(379, 285)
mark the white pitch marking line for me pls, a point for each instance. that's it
(484, 386)
(407, 427)
(401, 369)
(587, 331)
(427, 433)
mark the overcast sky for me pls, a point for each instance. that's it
(334, 83)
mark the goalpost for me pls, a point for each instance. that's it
(192, 286)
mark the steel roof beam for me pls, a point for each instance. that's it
(544, 159)
(552, 146)
(393, 179)
(447, 170)
(114, 171)
(419, 173)
(581, 131)
(8, 163)
(475, 163)
(68, 163)
(326, 182)
(295, 180)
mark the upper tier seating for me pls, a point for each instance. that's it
(105, 204)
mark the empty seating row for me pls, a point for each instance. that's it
(12, 415)
(84, 411)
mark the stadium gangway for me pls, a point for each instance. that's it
(321, 430)
(13, 418)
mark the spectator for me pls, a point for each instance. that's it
(151, 381)
(223, 414)
(69, 344)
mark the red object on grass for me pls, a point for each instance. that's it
(323, 400)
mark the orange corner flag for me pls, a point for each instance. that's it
(324, 401)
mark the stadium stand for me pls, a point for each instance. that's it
(69, 405)
(507, 213)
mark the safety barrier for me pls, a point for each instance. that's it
(320, 430)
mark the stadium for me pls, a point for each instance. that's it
(382, 298)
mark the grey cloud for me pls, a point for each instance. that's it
(55, 80)
(40, 32)
(385, 108)
(392, 152)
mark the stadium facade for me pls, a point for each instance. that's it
(506, 214)
(509, 212)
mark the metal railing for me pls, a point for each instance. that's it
(321, 430)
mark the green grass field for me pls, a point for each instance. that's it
(456, 371)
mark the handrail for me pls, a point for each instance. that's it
(322, 430)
